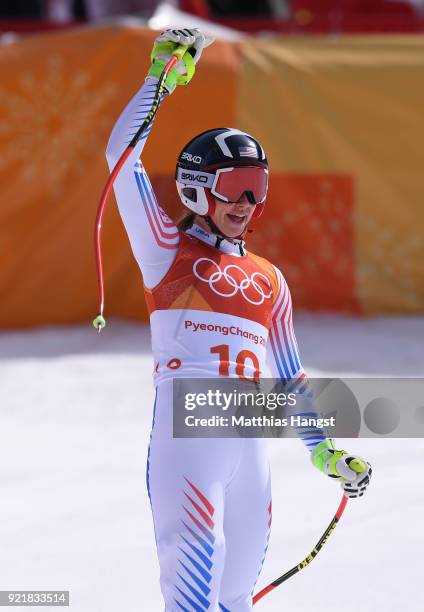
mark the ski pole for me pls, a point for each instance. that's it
(309, 558)
(99, 322)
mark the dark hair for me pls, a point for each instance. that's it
(186, 221)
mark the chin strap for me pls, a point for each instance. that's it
(220, 236)
(218, 241)
(214, 228)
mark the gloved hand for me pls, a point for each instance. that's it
(164, 47)
(353, 472)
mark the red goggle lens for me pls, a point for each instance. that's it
(231, 184)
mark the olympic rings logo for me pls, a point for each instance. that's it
(243, 285)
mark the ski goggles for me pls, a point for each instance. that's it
(230, 184)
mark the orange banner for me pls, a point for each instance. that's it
(345, 115)
(59, 98)
(341, 122)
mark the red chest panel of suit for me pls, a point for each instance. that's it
(203, 278)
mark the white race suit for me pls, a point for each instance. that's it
(214, 311)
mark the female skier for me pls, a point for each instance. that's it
(210, 498)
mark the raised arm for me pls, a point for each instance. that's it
(153, 236)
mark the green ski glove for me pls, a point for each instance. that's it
(164, 47)
(353, 472)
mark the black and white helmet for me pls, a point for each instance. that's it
(200, 159)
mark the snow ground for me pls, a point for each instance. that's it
(75, 415)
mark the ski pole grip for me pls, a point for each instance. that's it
(179, 52)
(357, 466)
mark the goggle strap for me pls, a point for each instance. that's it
(195, 178)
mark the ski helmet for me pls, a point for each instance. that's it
(222, 163)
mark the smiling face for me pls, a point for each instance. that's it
(232, 218)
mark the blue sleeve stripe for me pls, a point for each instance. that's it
(285, 350)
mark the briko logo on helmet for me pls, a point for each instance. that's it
(224, 164)
(191, 158)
